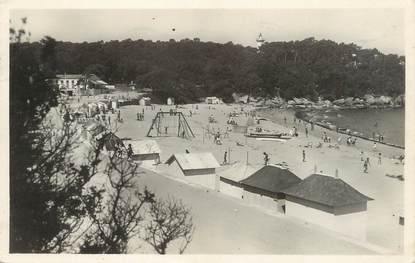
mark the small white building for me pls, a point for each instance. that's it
(196, 168)
(170, 101)
(144, 101)
(213, 100)
(329, 202)
(68, 83)
(145, 152)
(230, 178)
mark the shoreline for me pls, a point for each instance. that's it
(332, 127)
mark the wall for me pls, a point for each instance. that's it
(260, 200)
(230, 189)
(352, 224)
(203, 177)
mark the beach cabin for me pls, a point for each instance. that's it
(145, 152)
(230, 178)
(170, 101)
(196, 168)
(329, 202)
(212, 100)
(144, 101)
(264, 187)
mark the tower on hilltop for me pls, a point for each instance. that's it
(259, 41)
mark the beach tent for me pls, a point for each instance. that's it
(263, 188)
(146, 152)
(230, 178)
(330, 202)
(196, 168)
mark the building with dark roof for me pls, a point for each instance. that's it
(264, 187)
(330, 202)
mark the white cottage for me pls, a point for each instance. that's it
(230, 178)
(196, 168)
(329, 202)
(146, 152)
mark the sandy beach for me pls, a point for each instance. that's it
(216, 212)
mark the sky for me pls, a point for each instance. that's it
(369, 28)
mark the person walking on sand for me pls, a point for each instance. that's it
(380, 158)
(306, 132)
(266, 159)
(374, 146)
(225, 157)
(303, 155)
(365, 165)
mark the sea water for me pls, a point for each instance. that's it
(388, 122)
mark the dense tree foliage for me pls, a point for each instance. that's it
(192, 69)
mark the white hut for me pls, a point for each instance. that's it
(230, 178)
(329, 202)
(146, 152)
(196, 168)
(170, 101)
(212, 100)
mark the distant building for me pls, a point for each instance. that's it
(213, 100)
(68, 84)
(329, 202)
(264, 187)
(259, 41)
(196, 168)
(76, 84)
(170, 101)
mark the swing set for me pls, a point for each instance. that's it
(167, 124)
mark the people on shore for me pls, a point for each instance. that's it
(225, 157)
(266, 159)
(303, 155)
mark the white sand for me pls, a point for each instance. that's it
(221, 230)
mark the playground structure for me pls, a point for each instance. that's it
(167, 124)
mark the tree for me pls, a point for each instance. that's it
(170, 221)
(116, 216)
(45, 181)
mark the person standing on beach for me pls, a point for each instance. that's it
(365, 165)
(361, 156)
(374, 146)
(266, 159)
(225, 157)
(306, 132)
(303, 155)
(380, 158)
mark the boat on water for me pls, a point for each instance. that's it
(281, 136)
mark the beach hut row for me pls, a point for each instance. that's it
(319, 199)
